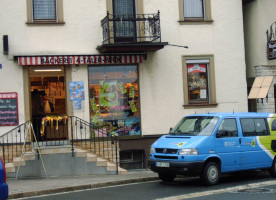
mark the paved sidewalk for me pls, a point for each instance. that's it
(50, 185)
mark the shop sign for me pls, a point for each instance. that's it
(87, 59)
(271, 50)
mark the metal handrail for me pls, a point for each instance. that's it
(71, 130)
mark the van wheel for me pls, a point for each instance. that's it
(166, 177)
(210, 174)
(272, 170)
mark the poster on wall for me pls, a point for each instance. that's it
(77, 105)
(8, 109)
(108, 93)
(76, 90)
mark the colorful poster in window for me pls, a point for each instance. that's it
(108, 93)
(93, 104)
(133, 125)
(132, 92)
(122, 88)
(132, 106)
(197, 82)
(76, 90)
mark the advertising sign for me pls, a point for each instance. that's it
(76, 90)
(8, 109)
(271, 50)
(108, 93)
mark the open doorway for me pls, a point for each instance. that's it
(48, 102)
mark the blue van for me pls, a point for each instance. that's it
(208, 145)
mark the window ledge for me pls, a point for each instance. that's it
(183, 22)
(45, 23)
(192, 105)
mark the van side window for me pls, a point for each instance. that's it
(254, 127)
(273, 125)
(228, 128)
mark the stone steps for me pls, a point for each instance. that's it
(59, 160)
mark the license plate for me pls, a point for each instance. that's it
(162, 164)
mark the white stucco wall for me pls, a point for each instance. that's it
(161, 81)
(161, 77)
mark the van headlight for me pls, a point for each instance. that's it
(188, 152)
(152, 150)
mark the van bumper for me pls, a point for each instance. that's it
(178, 167)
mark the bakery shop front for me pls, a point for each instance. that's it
(110, 87)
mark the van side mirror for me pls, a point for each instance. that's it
(222, 133)
(170, 129)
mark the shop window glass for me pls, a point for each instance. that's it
(44, 9)
(114, 100)
(197, 82)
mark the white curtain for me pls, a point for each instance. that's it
(124, 9)
(193, 8)
(44, 9)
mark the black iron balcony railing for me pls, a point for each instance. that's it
(131, 28)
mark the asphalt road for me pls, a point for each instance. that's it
(246, 185)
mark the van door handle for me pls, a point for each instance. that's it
(240, 140)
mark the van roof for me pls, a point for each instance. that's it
(239, 114)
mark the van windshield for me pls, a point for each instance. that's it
(195, 125)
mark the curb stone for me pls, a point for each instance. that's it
(80, 187)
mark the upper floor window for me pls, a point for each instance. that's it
(44, 10)
(199, 80)
(195, 10)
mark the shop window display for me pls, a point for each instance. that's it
(114, 100)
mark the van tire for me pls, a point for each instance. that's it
(166, 177)
(210, 174)
(272, 170)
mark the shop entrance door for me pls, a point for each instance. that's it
(48, 100)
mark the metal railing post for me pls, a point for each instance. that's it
(4, 156)
(116, 149)
(72, 136)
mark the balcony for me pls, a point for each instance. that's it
(139, 33)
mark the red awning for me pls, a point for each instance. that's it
(86, 59)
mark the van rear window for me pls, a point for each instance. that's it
(254, 127)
